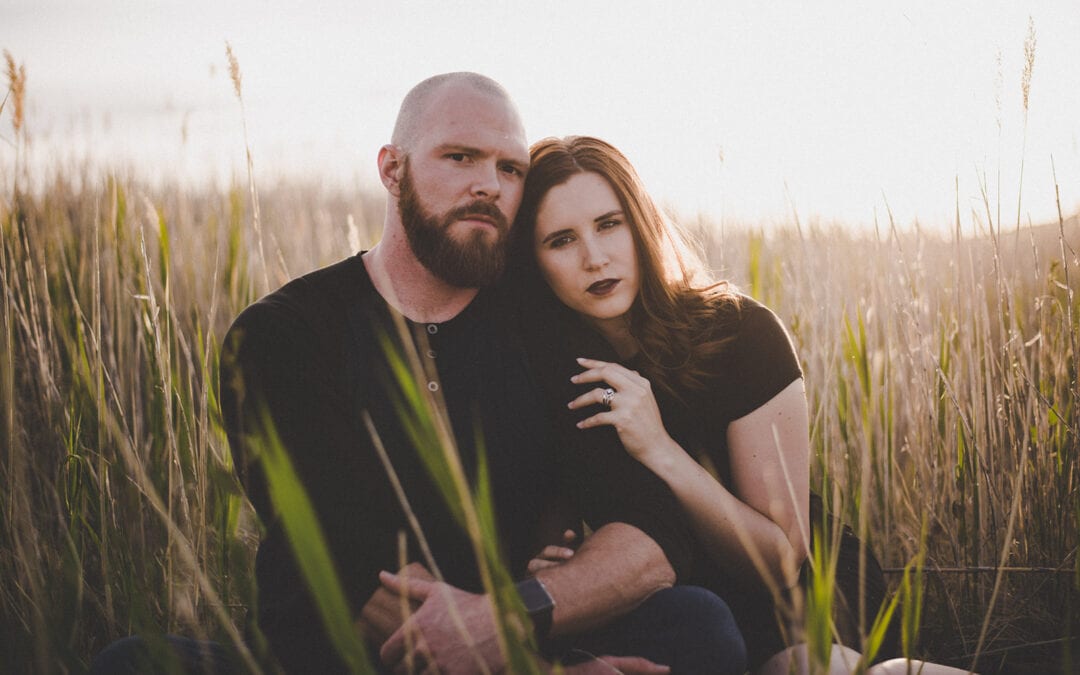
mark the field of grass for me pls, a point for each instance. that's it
(941, 371)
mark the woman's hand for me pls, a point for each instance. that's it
(553, 555)
(632, 409)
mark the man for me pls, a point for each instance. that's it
(313, 356)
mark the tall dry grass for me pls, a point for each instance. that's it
(121, 513)
(941, 373)
(942, 378)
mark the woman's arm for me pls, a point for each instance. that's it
(759, 527)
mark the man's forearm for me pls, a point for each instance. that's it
(614, 571)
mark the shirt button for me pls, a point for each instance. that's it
(432, 328)
(433, 386)
(431, 353)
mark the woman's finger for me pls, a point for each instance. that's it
(614, 375)
(596, 420)
(591, 397)
(537, 564)
(556, 553)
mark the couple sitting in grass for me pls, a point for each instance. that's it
(591, 376)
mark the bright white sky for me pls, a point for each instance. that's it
(742, 110)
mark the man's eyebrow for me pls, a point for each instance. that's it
(520, 163)
(457, 147)
(615, 212)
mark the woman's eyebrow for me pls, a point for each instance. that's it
(616, 212)
(557, 233)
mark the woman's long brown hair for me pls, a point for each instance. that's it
(677, 321)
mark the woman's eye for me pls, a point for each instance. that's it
(608, 224)
(559, 242)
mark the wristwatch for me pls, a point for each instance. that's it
(538, 603)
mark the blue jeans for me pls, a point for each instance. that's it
(165, 655)
(685, 627)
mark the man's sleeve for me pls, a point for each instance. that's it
(274, 369)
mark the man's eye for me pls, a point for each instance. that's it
(457, 156)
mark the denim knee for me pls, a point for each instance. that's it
(710, 640)
(136, 655)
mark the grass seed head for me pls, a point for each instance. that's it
(1029, 61)
(234, 69)
(16, 76)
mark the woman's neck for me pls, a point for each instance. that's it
(617, 332)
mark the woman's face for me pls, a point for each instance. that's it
(585, 249)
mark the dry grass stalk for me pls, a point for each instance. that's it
(236, 77)
(1029, 63)
(16, 76)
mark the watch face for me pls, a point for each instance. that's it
(534, 596)
(538, 603)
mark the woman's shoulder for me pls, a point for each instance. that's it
(759, 330)
(758, 358)
(735, 315)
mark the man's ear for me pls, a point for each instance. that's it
(391, 164)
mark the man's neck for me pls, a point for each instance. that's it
(411, 288)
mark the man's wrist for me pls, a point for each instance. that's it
(538, 604)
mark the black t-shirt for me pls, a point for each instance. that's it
(758, 362)
(311, 353)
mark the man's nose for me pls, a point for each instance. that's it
(486, 181)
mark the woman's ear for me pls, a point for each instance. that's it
(391, 164)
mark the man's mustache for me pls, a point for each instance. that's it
(479, 208)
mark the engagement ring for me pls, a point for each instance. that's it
(609, 396)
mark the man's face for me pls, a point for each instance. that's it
(473, 258)
(461, 185)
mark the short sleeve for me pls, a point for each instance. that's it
(763, 357)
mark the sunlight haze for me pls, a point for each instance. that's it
(746, 112)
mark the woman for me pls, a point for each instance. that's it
(700, 384)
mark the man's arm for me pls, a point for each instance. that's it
(614, 571)
(617, 568)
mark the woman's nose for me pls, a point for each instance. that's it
(595, 255)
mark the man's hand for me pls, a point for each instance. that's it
(385, 612)
(452, 629)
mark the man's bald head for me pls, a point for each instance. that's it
(411, 114)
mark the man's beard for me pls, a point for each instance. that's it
(473, 263)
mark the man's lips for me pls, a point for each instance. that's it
(603, 287)
(477, 218)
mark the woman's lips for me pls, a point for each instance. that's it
(603, 287)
